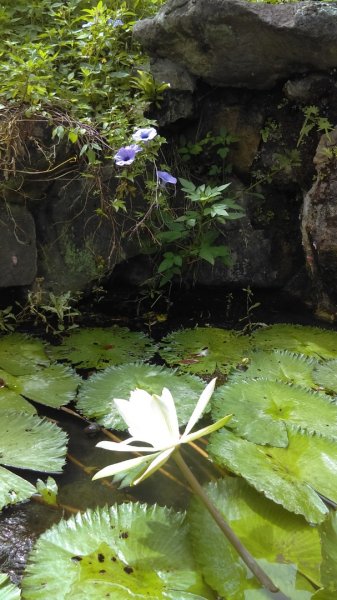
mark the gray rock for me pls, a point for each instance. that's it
(319, 227)
(242, 44)
(17, 246)
(306, 89)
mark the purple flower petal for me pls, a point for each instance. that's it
(115, 22)
(166, 177)
(144, 134)
(126, 155)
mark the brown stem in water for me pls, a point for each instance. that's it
(225, 528)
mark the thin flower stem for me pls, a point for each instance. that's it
(225, 528)
(57, 506)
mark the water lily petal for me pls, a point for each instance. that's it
(185, 439)
(124, 465)
(126, 446)
(155, 464)
(201, 405)
(151, 419)
(168, 409)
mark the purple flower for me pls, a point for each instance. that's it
(115, 22)
(144, 135)
(126, 155)
(165, 177)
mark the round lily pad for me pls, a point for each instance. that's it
(100, 347)
(96, 395)
(120, 552)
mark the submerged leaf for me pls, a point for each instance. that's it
(22, 355)
(96, 395)
(204, 349)
(286, 547)
(292, 476)
(13, 489)
(279, 365)
(101, 347)
(119, 552)
(310, 341)
(263, 409)
(28, 442)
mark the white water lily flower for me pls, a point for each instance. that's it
(153, 420)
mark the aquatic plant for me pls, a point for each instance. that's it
(100, 347)
(279, 448)
(95, 397)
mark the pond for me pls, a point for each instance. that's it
(23, 523)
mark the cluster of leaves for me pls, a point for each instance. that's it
(191, 235)
(75, 66)
(78, 56)
(211, 151)
(281, 440)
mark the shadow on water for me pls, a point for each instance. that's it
(21, 525)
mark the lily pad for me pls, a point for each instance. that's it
(328, 532)
(53, 386)
(124, 551)
(325, 375)
(22, 355)
(279, 365)
(27, 442)
(8, 591)
(204, 350)
(263, 409)
(96, 395)
(295, 476)
(10, 400)
(13, 489)
(310, 341)
(100, 347)
(284, 545)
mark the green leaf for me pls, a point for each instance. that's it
(13, 489)
(310, 341)
(325, 375)
(262, 410)
(119, 552)
(22, 355)
(8, 591)
(28, 442)
(279, 365)
(328, 532)
(11, 400)
(53, 386)
(99, 347)
(204, 349)
(284, 545)
(292, 476)
(48, 490)
(96, 395)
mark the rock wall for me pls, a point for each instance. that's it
(262, 76)
(266, 74)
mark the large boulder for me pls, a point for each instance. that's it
(235, 43)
